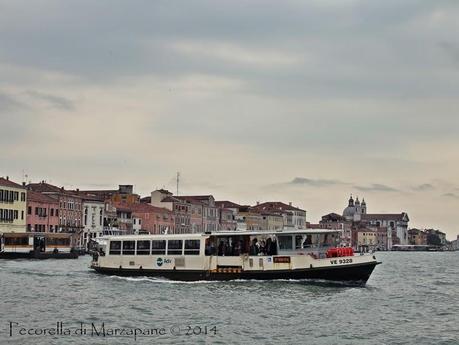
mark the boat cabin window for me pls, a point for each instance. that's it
(16, 241)
(115, 248)
(143, 247)
(192, 247)
(128, 247)
(285, 242)
(158, 247)
(174, 247)
(241, 245)
(53, 241)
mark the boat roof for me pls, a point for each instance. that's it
(33, 234)
(222, 234)
(274, 232)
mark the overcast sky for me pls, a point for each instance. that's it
(302, 101)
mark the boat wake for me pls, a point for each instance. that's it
(316, 282)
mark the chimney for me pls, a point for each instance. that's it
(23, 184)
(258, 203)
(7, 178)
(78, 190)
(290, 203)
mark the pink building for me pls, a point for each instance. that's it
(70, 206)
(42, 213)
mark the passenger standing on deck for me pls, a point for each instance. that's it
(268, 246)
(254, 247)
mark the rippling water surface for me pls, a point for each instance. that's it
(412, 298)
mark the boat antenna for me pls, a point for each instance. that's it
(178, 181)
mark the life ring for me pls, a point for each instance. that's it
(56, 251)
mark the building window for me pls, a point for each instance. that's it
(29, 210)
(22, 215)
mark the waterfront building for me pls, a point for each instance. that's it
(192, 213)
(124, 194)
(382, 238)
(354, 210)
(294, 217)
(196, 213)
(227, 220)
(136, 225)
(70, 206)
(181, 209)
(395, 223)
(205, 204)
(417, 237)
(455, 243)
(13, 199)
(272, 221)
(42, 213)
(365, 239)
(151, 219)
(227, 212)
(247, 219)
(228, 205)
(123, 220)
(334, 221)
(432, 233)
(111, 219)
(93, 219)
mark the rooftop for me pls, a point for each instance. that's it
(39, 197)
(5, 182)
(276, 205)
(226, 204)
(384, 216)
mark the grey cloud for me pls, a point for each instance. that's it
(10, 103)
(315, 182)
(452, 50)
(53, 100)
(424, 187)
(451, 195)
(376, 187)
(131, 39)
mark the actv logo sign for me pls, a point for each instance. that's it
(161, 261)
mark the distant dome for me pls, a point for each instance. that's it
(349, 211)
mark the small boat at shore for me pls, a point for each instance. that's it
(36, 245)
(230, 255)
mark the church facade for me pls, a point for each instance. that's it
(395, 224)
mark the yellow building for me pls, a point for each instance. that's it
(272, 221)
(12, 206)
(367, 239)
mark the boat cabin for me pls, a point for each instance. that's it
(35, 242)
(231, 243)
